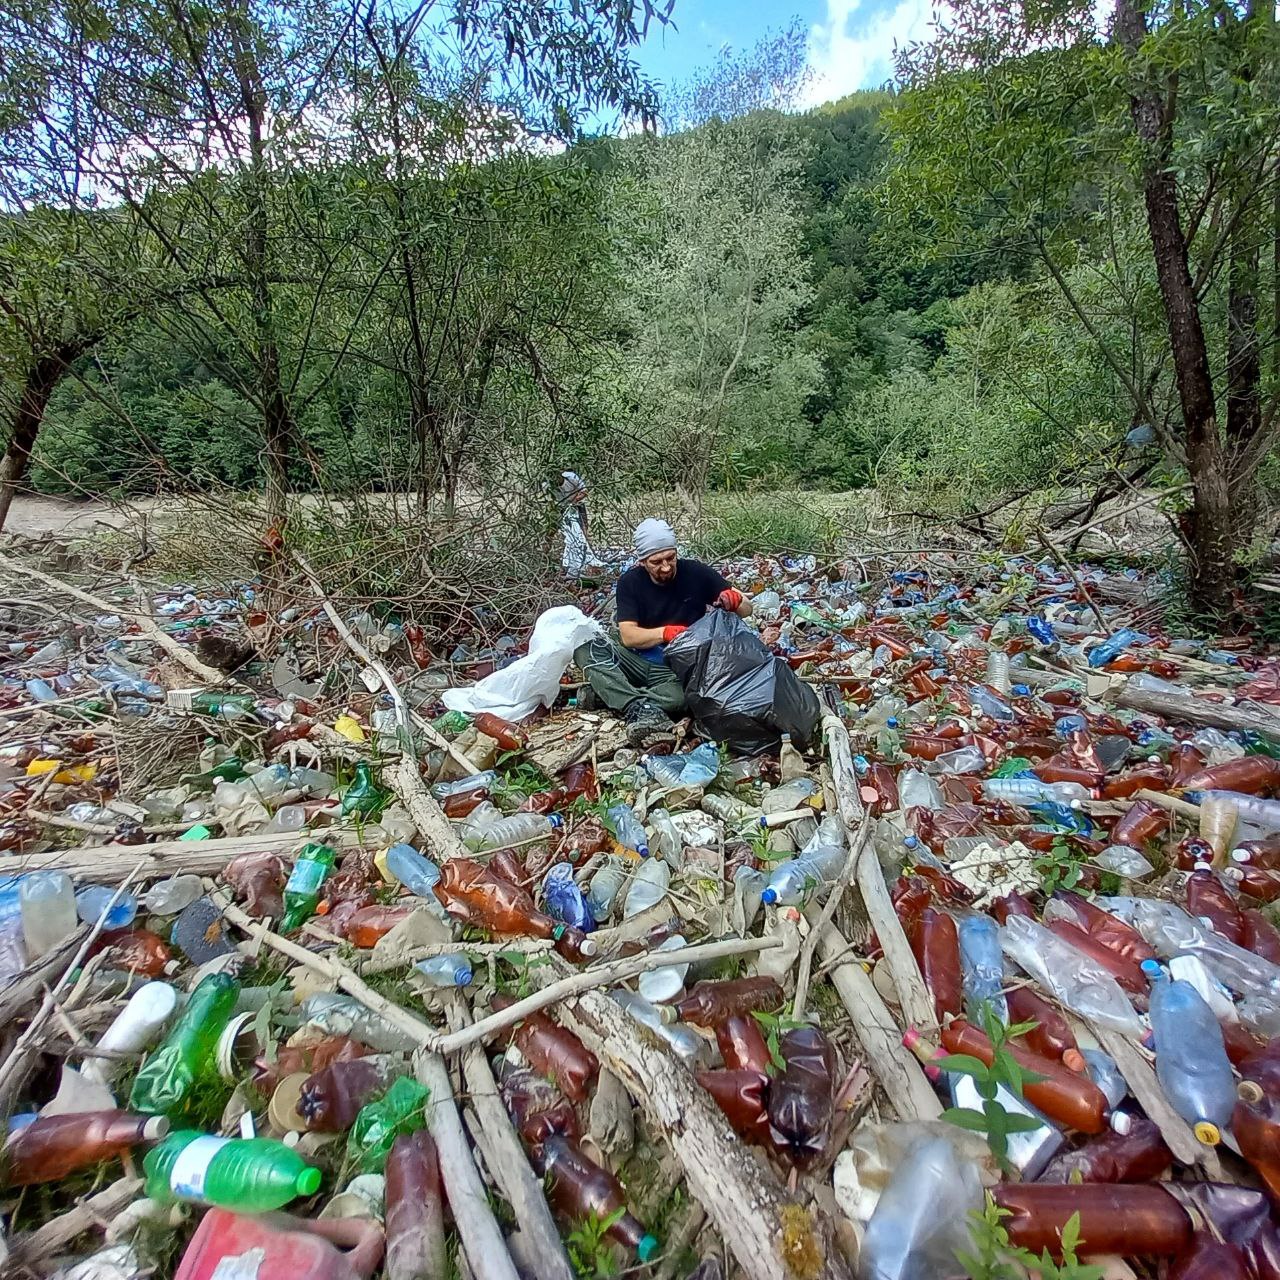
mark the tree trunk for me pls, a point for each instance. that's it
(1212, 535)
(42, 378)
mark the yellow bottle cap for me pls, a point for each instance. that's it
(1207, 1133)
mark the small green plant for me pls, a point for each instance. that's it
(993, 1120)
(774, 1026)
(520, 983)
(1060, 867)
(591, 1253)
(996, 1257)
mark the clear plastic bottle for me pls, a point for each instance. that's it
(791, 763)
(998, 671)
(647, 888)
(249, 1175)
(660, 985)
(475, 782)
(731, 812)
(48, 904)
(666, 841)
(919, 790)
(286, 819)
(684, 1041)
(516, 829)
(416, 872)
(168, 897)
(982, 967)
(446, 971)
(791, 795)
(627, 830)
(605, 886)
(796, 878)
(94, 902)
(136, 1027)
(1191, 1061)
(889, 707)
(1033, 791)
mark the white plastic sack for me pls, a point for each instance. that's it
(534, 680)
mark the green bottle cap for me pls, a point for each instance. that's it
(309, 1180)
(647, 1248)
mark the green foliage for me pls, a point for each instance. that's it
(995, 1257)
(1060, 867)
(768, 524)
(774, 1026)
(591, 1253)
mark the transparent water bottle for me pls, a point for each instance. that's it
(48, 904)
(687, 1043)
(606, 883)
(168, 897)
(94, 903)
(446, 971)
(1033, 791)
(418, 874)
(982, 967)
(666, 841)
(647, 888)
(791, 795)
(918, 790)
(796, 878)
(516, 829)
(471, 829)
(998, 671)
(627, 830)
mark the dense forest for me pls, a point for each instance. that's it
(375, 253)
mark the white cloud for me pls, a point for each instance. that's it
(847, 54)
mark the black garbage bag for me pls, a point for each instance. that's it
(737, 691)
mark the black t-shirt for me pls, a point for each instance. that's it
(680, 602)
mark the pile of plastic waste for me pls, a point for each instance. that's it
(355, 984)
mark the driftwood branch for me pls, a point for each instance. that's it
(1187, 707)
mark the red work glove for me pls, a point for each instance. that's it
(670, 633)
(730, 600)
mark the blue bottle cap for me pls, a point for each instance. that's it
(768, 896)
(891, 722)
(556, 821)
(1152, 968)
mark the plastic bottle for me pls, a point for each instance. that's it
(1128, 974)
(517, 829)
(94, 902)
(186, 1054)
(919, 790)
(508, 736)
(249, 1175)
(1112, 647)
(48, 905)
(802, 1095)
(225, 706)
(1251, 775)
(1136, 1155)
(1191, 1062)
(1211, 1259)
(579, 1189)
(330, 1099)
(921, 1218)
(51, 1147)
(664, 984)
(998, 671)
(731, 812)
(1255, 1123)
(791, 763)
(399, 1111)
(647, 888)
(709, 1004)
(137, 950)
(1026, 791)
(302, 889)
(741, 1095)
(937, 952)
(982, 967)
(445, 971)
(537, 1108)
(605, 886)
(742, 1043)
(565, 900)
(415, 1210)
(1208, 898)
(666, 842)
(793, 795)
(1132, 1220)
(1051, 1037)
(685, 1042)
(136, 1027)
(168, 897)
(1220, 815)
(794, 879)
(627, 830)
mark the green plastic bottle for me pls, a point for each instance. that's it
(364, 796)
(401, 1110)
(246, 1175)
(226, 706)
(452, 722)
(187, 1054)
(302, 889)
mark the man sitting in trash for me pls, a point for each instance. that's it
(660, 596)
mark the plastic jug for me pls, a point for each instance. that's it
(48, 904)
(331, 1249)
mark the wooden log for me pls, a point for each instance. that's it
(53, 1236)
(772, 1237)
(1250, 716)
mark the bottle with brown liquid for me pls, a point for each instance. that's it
(1185, 761)
(709, 1003)
(508, 736)
(1208, 897)
(1251, 775)
(742, 1044)
(1138, 1155)
(415, 1209)
(742, 1095)
(880, 779)
(462, 803)
(553, 1052)
(331, 1099)
(1143, 820)
(802, 1096)
(310, 1057)
(536, 1107)
(1063, 1095)
(580, 1188)
(1134, 1220)
(937, 950)
(1257, 883)
(1052, 1036)
(51, 1147)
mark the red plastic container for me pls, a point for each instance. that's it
(340, 1249)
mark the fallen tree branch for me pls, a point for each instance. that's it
(53, 1236)
(1193, 710)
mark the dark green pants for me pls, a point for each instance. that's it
(620, 676)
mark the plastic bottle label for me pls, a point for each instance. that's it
(306, 877)
(191, 1168)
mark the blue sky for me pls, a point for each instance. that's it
(850, 41)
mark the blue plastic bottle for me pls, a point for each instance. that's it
(982, 967)
(565, 901)
(1112, 647)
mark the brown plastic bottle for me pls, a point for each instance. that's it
(1261, 936)
(1051, 1037)
(946, 886)
(580, 1188)
(553, 1052)
(742, 1095)
(1211, 1259)
(1063, 1095)
(1264, 854)
(138, 950)
(1191, 851)
(331, 1099)
(1185, 761)
(880, 779)
(367, 924)
(1013, 904)
(1251, 775)
(1208, 897)
(937, 950)
(1240, 1043)
(508, 736)
(415, 1209)
(51, 1147)
(537, 1108)
(1153, 777)
(1107, 929)
(1134, 1220)
(925, 746)
(1137, 1156)
(311, 1058)
(1125, 972)
(1065, 768)
(742, 1044)
(910, 895)
(1255, 882)
(510, 866)
(802, 1095)
(1256, 1125)
(258, 880)
(710, 1003)
(463, 802)
(1143, 820)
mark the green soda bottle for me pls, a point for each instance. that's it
(302, 889)
(209, 702)
(452, 722)
(363, 796)
(187, 1053)
(399, 1111)
(246, 1175)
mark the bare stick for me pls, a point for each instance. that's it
(1186, 706)
(58, 1232)
(1056, 552)
(145, 623)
